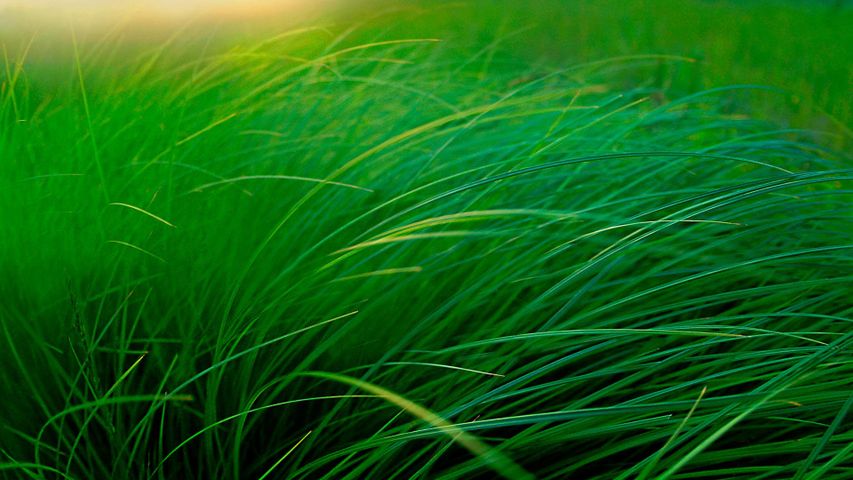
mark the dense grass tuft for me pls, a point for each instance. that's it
(331, 256)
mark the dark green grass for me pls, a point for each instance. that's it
(346, 253)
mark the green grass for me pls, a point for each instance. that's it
(795, 46)
(358, 252)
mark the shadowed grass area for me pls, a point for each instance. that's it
(350, 252)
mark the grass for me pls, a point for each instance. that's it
(732, 42)
(349, 252)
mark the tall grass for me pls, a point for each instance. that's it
(331, 256)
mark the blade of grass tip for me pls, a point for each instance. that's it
(268, 472)
(383, 272)
(451, 367)
(654, 459)
(205, 129)
(587, 332)
(244, 178)
(500, 463)
(138, 249)
(801, 473)
(408, 238)
(142, 211)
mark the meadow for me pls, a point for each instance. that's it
(594, 240)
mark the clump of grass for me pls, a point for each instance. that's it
(331, 256)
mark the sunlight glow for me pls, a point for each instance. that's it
(147, 9)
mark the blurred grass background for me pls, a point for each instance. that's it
(802, 47)
(799, 46)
